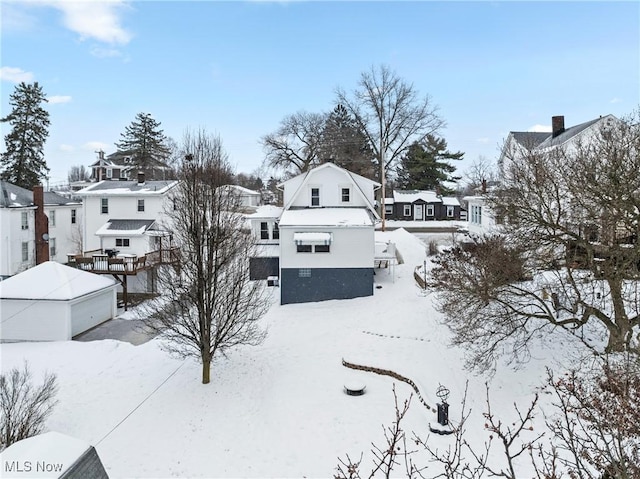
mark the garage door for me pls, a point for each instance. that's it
(90, 312)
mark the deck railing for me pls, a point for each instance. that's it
(99, 262)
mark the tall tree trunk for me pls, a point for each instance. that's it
(206, 369)
(620, 333)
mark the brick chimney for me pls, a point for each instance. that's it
(42, 226)
(141, 177)
(483, 189)
(557, 125)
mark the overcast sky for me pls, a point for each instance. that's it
(237, 68)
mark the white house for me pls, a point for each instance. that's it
(54, 302)
(245, 198)
(266, 234)
(125, 216)
(326, 234)
(481, 219)
(17, 227)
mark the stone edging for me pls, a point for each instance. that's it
(387, 372)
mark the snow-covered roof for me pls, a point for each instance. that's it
(53, 281)
(327, 217)
(13, 196)
(266, 212)
(125, 188)
(124, 227)
(450, 201)
(50, 448)
(241, 190)
(411, 196)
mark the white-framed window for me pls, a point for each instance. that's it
(407, 210)
(52, 247)
(74, 217)
(315, 196)
(388, 210)
(24, 220)
(321, 248)
(345, 195)
(304, 273)
(264, 230)
(313, 248)
(304, 248)
(429, 210)
(450, 211)
(276, 231)
(25, 251)
(122, 242)
(52, 218)
(476, 214)
(104, 206)
(141, 205)
(109, 173)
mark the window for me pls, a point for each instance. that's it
(264, 230)
(388, 210)
(109, 173)
(73, 217)
(450, 211)
(303, 248)
(52, 247)
(25, 252)
(476, 214)
(140, 205)
(52, 218)
(304, 273)
(345, 195)
(315, 196)
(25, 220)
(429, 210)
(276, 231)
(322, 248)
(122, 242)
(104, 206)
(407, 210)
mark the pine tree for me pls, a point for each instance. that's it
(345, 144)
(145, 142)
(23, 162)
(426, 166)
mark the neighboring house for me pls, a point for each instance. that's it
(244, 197)
(481, 219)
(17, 227)
(519, 142)
(122, 166)
(127, 216)
(326, 234)
(421, 205)
(266, 234)
(53, 302)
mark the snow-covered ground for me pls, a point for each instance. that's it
(276, 410)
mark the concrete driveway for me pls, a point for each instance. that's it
(128, 330)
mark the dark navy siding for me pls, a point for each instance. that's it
(324, 284)
(263, 267)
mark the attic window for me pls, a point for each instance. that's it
(315, 196)
(345, 195)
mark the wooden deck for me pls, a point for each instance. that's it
(101, 263)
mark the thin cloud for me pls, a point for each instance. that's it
(67, 148)
(540, 128)
(55, 99)
(105, 52)
(483, 140)
(15, 75)
(615, 100)
(95, 146)
(97, 20)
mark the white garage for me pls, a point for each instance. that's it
(53, 302)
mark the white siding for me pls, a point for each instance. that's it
(30, 320)
(350, 248)
(12, 237)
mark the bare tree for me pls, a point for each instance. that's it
(481, 171)
(78, 173)
(24, 407)
(208, 304)
(391, 114)
(293, 147)
(571, 222)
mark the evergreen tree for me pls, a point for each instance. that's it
(145, 142)
(345, 144)
(426, 166)
(23, 162)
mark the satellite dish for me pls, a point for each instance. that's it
(45, 237)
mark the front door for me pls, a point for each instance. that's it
(418, 212)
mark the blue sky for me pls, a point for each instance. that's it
(237, 68)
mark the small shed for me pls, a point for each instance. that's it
(54, 302)
(52, 455)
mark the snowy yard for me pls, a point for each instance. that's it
(276, 410)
